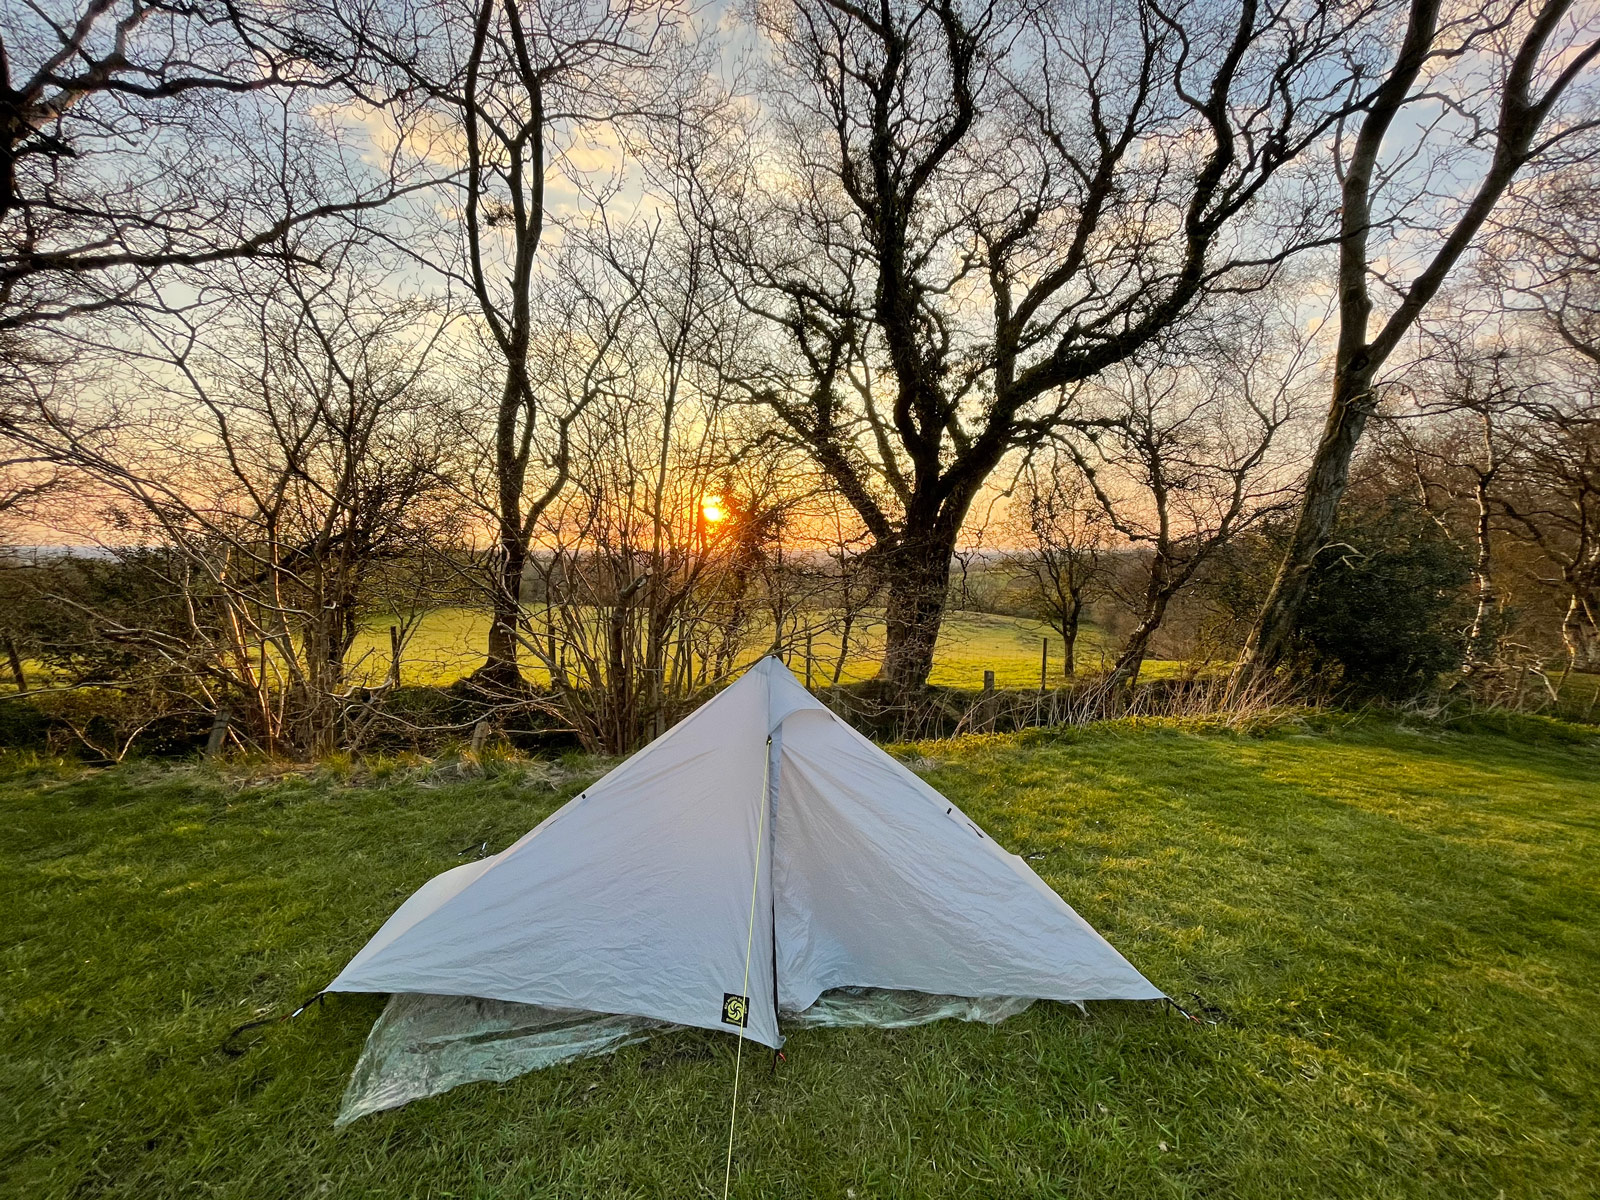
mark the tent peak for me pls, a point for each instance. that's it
(786, 695)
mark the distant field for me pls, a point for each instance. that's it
(447, 643)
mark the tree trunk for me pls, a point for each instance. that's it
(1069, 636)
(1325, 486)
(1131, 661)
(844, 642)
(1480, 638)
(1166, 577)
(500, 663)
(917, 578)
(1580, 630)
(326, 637)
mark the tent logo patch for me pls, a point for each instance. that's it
(735, 1009)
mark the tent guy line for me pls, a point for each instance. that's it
(744, 991)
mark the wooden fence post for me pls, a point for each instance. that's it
(1044, 663)
(808, 662)
(219, 732)
(17, 673)
(394, 656)
(988, 700)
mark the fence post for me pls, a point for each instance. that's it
(988, 700)
(394, 656)
(1044, 663)
(219, 732)
(17, 673)
(808, 662)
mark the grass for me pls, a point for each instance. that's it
(1401, 925)
(1579, 699)
(447, 643)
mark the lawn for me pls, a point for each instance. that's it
(1401, 925)
(447, 643)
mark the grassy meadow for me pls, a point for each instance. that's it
(444, 644)
(1400, 924)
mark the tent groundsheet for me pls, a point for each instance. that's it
(424, 1045)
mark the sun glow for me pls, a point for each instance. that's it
(711, 509)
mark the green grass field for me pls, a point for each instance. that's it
(447, 643)
(1401, 924)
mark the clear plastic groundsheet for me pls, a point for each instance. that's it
(894, 1010)
(423, 1045)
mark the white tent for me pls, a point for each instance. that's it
(757, 856)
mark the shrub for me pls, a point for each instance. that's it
(1386, 609)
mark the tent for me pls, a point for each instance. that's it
(760, 865)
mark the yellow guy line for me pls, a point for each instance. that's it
(749, 941)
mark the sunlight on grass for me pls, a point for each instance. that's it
(447, 644)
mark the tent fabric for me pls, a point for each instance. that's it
(632, 899)
(635, 898)
(423, 1045)
(882, 882)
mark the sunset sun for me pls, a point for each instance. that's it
(711, 509)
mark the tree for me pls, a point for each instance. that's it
(274, 445)
(1500, 443)
(129, 145)
(959, 211)
(1181, 463)
(141, 139)
(1066, 535)
(1449, 445)
(1551, 495)
(656, 561)
(1547, 261)
(1507, 123)
(517, 85)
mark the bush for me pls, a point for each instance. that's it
(1386, 609)
(22, 724)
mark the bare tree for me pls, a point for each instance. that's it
(278, 449)
(656, 562)
(1183, 463)
(1497, 437)
(518, 87)
(141, 139)
(1066, 535)
(1450, 443)
(1550, 493)
(27, 479)
(962, 209)
(1520, 113)
(1555, 241)
(128, 146)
